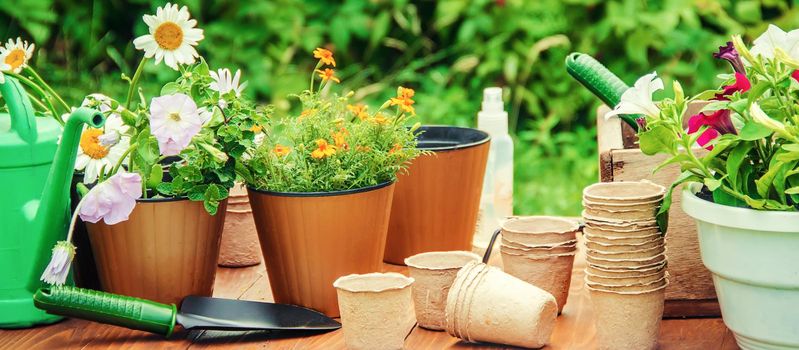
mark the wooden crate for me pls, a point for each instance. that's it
(690, 292)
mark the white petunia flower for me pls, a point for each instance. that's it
(172, 36)
(174, 120)
(638, 99)
(774, 38)
(14, 55)
(225, 82)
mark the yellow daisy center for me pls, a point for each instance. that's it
(15, 58)
(169, 36)
(174, 116)
(90, 144)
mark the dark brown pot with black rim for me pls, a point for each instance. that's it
(309, 239)
(437, 201)
(166, 250)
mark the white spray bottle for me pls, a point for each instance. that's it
(496, 202)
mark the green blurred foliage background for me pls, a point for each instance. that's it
(448, 50)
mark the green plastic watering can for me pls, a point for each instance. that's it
(35, 175)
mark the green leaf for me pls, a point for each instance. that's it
(170, 88)
(722, 197)
(662, 216)
(712, 184)
(156, 176)
(753, 131)
(681, 157)
(656, 140)
(734, 162)
(765, 182)
(792, 190)
(211, 206)
(758, 90)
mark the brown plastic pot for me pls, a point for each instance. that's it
(311, 239)
(436, 202)
(165, 251)
(239, 245)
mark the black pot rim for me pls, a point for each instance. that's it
(485, 138)
(321, 194)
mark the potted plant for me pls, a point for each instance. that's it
(321, 187)
(744, 191)
(161, 202)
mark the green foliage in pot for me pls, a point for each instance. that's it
(333, 145)
(749, 129)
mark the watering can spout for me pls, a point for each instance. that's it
(54, 205)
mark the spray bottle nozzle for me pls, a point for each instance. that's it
(492, 100)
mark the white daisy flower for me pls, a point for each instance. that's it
(224, 82)
(174, 120)
(172, 37)
(14, 55)
(93, 155)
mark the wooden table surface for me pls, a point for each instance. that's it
(574, 328)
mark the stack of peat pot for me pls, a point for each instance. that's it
(540, 250)
(626, 272)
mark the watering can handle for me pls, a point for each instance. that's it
(23, 118)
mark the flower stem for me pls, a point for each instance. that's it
(313, 71)
(74, 219)
(35, 87)
(48, 88)
(134, 82)
(124, 155)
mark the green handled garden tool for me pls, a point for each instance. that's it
(599, 80)
(195, 312)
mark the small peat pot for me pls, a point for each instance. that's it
(165, 251)
(488, 305)
(239, 245)
(437, 201)
(309, 239)
(753, 257)
(552, 273)
(376, 310)
(434, 273)
(628, 319)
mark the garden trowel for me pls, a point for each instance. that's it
(195, 312)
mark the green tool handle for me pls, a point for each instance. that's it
(107, 308)
(599, 80)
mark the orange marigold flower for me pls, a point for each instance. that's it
(256, 128)
(281, 150)
(397, 147)
(323, 149)
(306, 113)
(328, 74)
(339, 139)
(379, 119)
(359, 111)
(404, 99)
(324, 55)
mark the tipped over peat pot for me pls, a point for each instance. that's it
(309, 239)
(436, 202)
(753, 257)
(165, 251)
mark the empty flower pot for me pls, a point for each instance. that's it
(166, 250)
(603, 214)
(376, 310)
(655, 203)
(500, 308)
(434, 273)
(558, 250)
(436, 202)
(626, 192)
(552, 273)
(239, 245)
(540, 230)
(627, 320)
(509, 243)
(310, 239)
(463, 279)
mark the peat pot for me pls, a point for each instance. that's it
(754, 258)
(165, 251)
(437, 201)
(309, 239)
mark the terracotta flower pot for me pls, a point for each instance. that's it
(239, 245)
(376, 310)
(166, 250)
(436, 203)
(311, 239)
(434, 273)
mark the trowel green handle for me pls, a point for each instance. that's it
(599, 80)
(107, 308)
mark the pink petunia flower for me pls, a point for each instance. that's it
(174, 120)
(719, 123)
(741, 84)
(113, 199)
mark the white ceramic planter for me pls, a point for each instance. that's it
(754, 258)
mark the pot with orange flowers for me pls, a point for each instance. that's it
(160, 171)
(321, 186)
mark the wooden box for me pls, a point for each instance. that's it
(690, 292)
